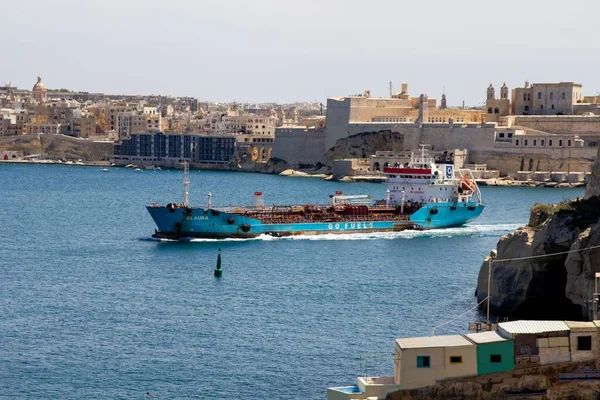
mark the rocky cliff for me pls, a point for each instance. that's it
(554, 284)
(58, 146)
(363, 145)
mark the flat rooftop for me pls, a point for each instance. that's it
(433, 341)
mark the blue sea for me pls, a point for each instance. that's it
(92, 307)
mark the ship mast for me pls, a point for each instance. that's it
(186, 183)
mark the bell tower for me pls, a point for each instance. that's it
(491, 92)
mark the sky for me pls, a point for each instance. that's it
(309, 50)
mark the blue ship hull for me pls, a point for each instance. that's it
(177, 223)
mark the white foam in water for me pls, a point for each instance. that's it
(467, 230)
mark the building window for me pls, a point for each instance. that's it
(496, 110)
(501, 134)
(534, 142)
(584, 343)
(489, 110)
(550, 142)
(528, 96)
(552, 106)
(542, 142)
(525, 142)
(569, 143)
(560, 142)
(495, 358)
(524, 96)
(456, 360)
(541, 106)
(551, 95)
(509, 134)
(539, 95)
(564, 95)
(423, 362)
(526, 108)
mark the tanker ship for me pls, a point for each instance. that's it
(421, 194)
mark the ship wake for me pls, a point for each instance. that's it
(474, 230)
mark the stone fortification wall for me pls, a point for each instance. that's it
(585, 127)
(298, 145)
(509, 161)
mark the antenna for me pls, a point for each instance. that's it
(186, 183)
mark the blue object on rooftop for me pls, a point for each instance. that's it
(349, 389)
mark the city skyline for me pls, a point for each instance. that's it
(269, 51)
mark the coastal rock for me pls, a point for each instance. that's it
(275, 166)
(574, 391)
(363, 145)
(593, 187)
(548, 286)
(58, 146)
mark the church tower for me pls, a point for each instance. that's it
(504, 92)
(444, 105)
(491, 92)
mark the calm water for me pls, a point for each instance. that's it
(91, 307)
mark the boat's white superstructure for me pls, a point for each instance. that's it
(423, 180)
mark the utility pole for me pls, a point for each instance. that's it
(489, 294)
(596, 296)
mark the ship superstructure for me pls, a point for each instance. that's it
(422, 194)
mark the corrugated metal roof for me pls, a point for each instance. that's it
(521, 327)
(433, 341)
(485, 337)
(581, 325)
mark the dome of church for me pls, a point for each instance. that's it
(39, 85)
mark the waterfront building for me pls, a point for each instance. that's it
(537, 342)
(7, 155)
(583, 338)
(424, 360)
(171, 149)
(494, 353)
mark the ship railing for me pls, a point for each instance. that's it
(327, 218)
(469, 174)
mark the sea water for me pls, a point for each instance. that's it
(92, 307)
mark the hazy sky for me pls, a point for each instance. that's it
(279, 50)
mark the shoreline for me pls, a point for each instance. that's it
(301, 174)
(53, 162)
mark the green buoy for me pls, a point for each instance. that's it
(218, 270)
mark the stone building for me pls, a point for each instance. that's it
(83, 125)
(546, 98)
